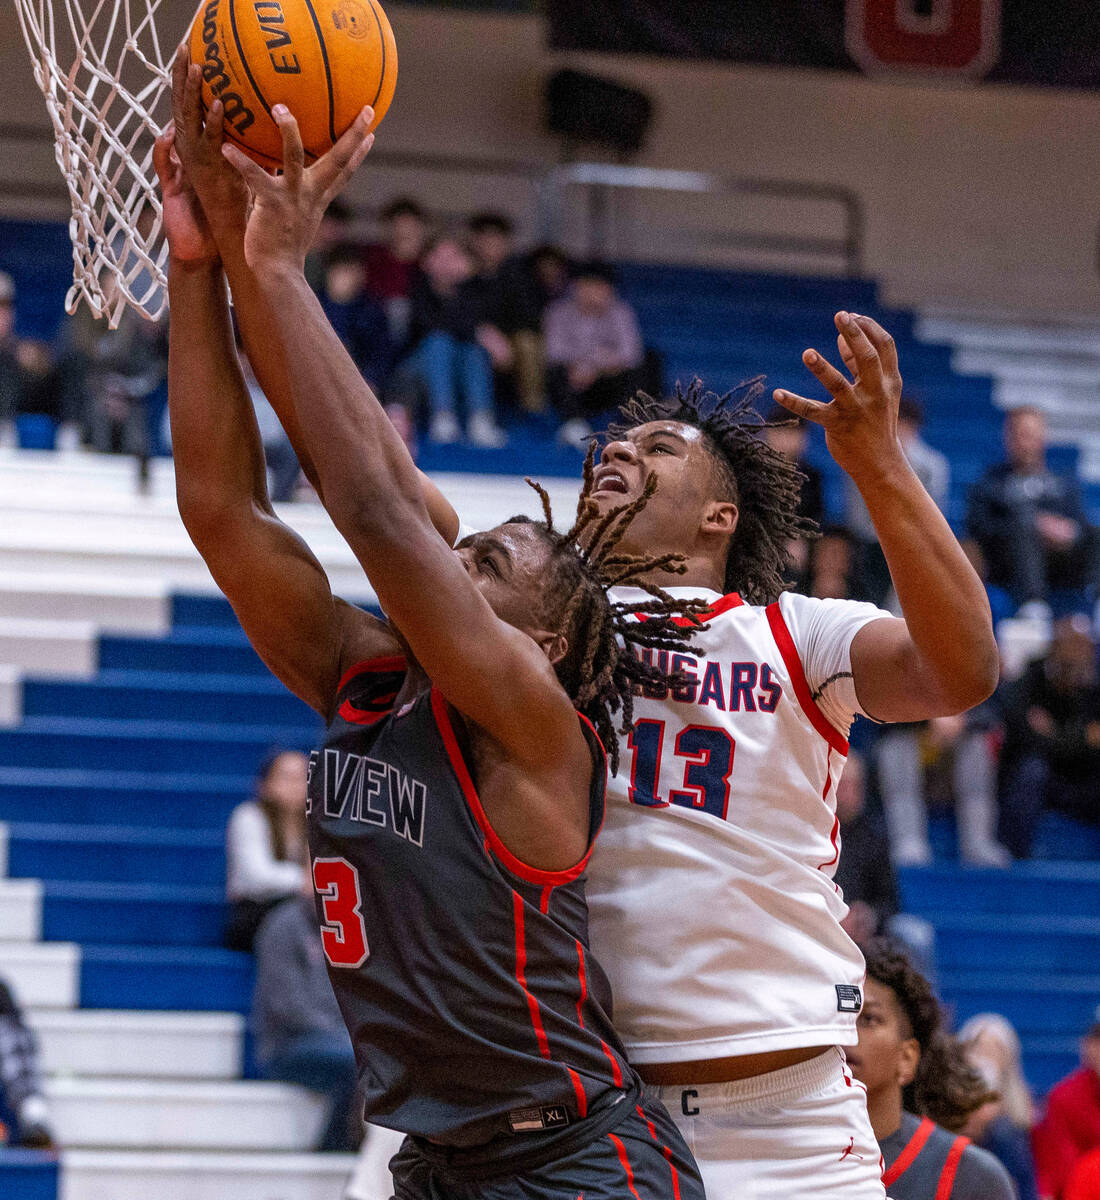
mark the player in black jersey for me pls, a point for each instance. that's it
(920, 1089)
(455, 801)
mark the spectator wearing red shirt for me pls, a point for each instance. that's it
(1071, 1127)
(392, 262)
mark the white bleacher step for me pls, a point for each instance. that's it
(158, 1114)
(38, 647)
(4, 839)
(46, 975)
(114, 1175)
(146, 1045)
(133, 605)
(20, 910)
(11, 697)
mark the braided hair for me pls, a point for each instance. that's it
(603, 667)
(946, 1087)
(765, 485)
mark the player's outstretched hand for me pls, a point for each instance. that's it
(221, 191)
(861, 420)
(287, 208)
(190, 241)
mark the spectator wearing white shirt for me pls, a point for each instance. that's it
(265, 843)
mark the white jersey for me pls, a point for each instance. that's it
(711, 896)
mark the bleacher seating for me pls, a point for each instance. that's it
(133, 715)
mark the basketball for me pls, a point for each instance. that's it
(323, 59)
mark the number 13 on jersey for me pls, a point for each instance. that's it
(707, 753)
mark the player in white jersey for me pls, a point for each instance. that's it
(712, 902)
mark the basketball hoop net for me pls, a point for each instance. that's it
(104, 72)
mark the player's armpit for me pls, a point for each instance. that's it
(893, 681)
(282, 598)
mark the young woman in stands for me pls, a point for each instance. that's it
(920, 1089)
(454, 804)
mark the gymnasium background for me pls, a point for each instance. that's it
(932, 162)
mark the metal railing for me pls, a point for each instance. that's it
(601, 185)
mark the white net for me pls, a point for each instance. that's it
(104, 69)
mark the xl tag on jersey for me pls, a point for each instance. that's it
(848, 998)
(532, 1120)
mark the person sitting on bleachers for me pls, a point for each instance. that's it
(1070, 1128)
(25, 369)
(454, 346)
(1031, 523)
(358, 318)
(1051, 757)
(300, 1032)
(264, 844)
(992, 1048)
(594, 352)
(920, 1089)
(22, 1102)
(866, 877)
(392, 262)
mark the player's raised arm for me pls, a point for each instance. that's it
(276, 586)
(942, 657)
(224, 197)
(501, 678)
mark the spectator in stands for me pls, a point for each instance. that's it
(789, 436)
(21, 1093)
(512, 305)
(1070, 1128)
(594, 352)
(920, 1089)
(25, 369)
(865, 875)
(300, 1032)
(872, 575)
(1031, 523)
(334, 230)
(392, 263)
(1051, 754)
(959, 754)
(283, 468)
(358, 318)
(550, 272)
(831, 565)
(454, 346)
(264, 845)
(1003, 1127)
(127, 366)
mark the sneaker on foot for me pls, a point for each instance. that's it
(445, 429)
(575, 433)
(913, 853)
(486, 433)
(986, 854)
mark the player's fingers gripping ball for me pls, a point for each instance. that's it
(324, 59)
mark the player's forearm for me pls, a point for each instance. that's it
(366, 474)
(219, 460)
(942, 599)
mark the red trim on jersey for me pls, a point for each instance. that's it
(908, 1156)
(802, 691)
(392, 662)
(521, 976)
(664, 1150)
(733, 600)
(582, 978)
(950, 1168)
(834, 837)
(518, 868)
(621, 1150)
(544, 899)
(578, 1088)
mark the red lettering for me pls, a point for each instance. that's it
(956, 37)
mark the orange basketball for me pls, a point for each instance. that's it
(323, 59)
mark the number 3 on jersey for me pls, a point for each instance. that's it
(343, 933)
(708, 754)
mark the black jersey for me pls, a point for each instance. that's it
(925, 1162)
(463, 975)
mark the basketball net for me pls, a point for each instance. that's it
(104, 71)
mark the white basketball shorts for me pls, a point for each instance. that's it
(797, 1134)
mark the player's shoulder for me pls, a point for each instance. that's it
(981, 1176)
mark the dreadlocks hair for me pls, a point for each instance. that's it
(604, 667)
(765, 486)
(946, 1087)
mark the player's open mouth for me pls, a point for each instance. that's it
(609, 480)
